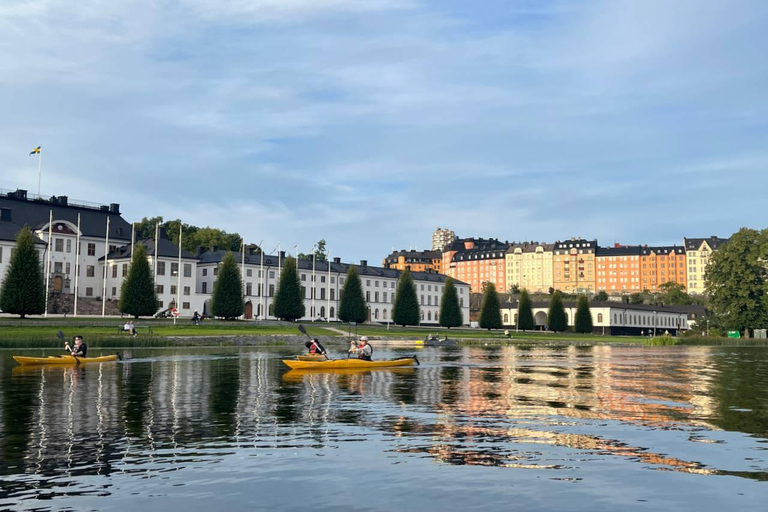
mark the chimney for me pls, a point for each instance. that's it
(337, 260)
(163, 233)
(114, 208)
(251, 250)
(104, 208)
(363, 263)
(63, 200)
(5, 214)
(20, 194)
(215, 248)
(200, 250)
(282, 254)
(138, 234)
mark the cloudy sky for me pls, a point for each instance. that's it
(371, 122)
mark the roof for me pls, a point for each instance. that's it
(694, 244)
(414, 255)
(575, 243)
(632, 250)
(667, 249)
(530, 247)
(9, 230)
(34, 212)
(609, 304)
(165, 249)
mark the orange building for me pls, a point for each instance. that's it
(574, 263)
(415, 261)
(476, 261)
(663, 265)
(618, 269)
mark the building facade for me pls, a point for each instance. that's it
(661, 265)
(442, 238)
(476, 261)
(697, 254)
(415, 261)
(574, 265)
(530, 266)
(617, 269)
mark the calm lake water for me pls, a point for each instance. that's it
(592, 429)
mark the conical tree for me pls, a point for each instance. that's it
(227, 300)
(583, 320)
(406, 310)
(525, 312)
(556, 318)
(352, 303)
(137, 295)
(23, 289)
(289, 301)
(490, 311)
(450, 309)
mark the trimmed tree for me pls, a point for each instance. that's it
(601, 296)
(525, 312)
(23, 289)
(406, 310)
(490, 311)
(556, 319)
(289, 301)
(352, 303)
(137, 295)
(450, 309)
(227, 300)
(583, 321)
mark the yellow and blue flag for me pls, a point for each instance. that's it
(35, 151)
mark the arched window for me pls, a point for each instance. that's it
(435, 316)
(258, 309)
(376, 314)
(271, 310)
(332, 312)
(514, 318)
(384, 314)
(322, 311)
(429, 316)
(599, 317)
(422, 314)
(506, 318)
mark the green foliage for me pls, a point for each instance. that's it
(556, 319)
(736, 281)
(137, 295)
(643, 297)
(673, 294)
(192, 236)
(601, 296)
(23, 288)
(320, 252)
(490, 311)
(583, 320)
(406, 310)
(289, 301)
(352, 304)
(514, 289)
(525, 312)
(450, 309)
(227, 300)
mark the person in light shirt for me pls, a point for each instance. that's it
(363, 350)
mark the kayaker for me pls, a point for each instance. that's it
(315, 347)
(80, 349)
(364, 351)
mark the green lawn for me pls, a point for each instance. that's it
(400, 332)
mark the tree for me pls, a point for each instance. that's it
(525, 312)
(556, 318)
(352, 304)
(736, 280)
(601, 296)
(137, 295)
(514, 289)
(490, 311)
(227, 300)
(23, 290)
(320, 252)
(406, 310)
(289, 299)
(673, 294)
(192, 236)
(450, 309)
(583, 321)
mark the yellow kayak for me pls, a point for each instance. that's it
(298, 375)
(64, 359)
(311, 357)
(348, 363)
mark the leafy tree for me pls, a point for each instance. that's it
(450, 309)
(137, 295)
(227, 300)
(514, 289)
(320, 252)
(406, 310)
(601, 296)
(525, 312)
(556, 319)
(23, 289)
(736, 281)
(192, 236)
(289, 301)
(583, 321)
(490, 311)
(644, 297)
(673, 294)
(352, 305)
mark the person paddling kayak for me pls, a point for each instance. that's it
(364, 351)
(315, 347)
(79, 350)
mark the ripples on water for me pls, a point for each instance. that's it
(571, 428)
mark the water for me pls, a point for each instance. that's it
(594, 429)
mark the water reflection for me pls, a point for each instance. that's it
(565, 410)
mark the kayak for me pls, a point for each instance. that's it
(64, 359)
(299, 374)
(440, 343)
(311, 357)
(349, 363)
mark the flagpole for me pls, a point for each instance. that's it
(178, 280)
(106, 265)
(242, 269)
(133, 238)
(39, 170)
(314, 257)
(261, 278)
(48, 260)
(154, 266)
(328, 290)
(77, 261)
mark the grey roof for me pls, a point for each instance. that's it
(665, 249)
(610, 304)
(693, 244)
(414, 255)
(576, 243)
(530, 247)
(632, 250)
(9, 230)
(93, 219)
(165, 249)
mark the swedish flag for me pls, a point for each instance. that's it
(35, 151)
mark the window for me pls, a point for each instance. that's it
(58, 244)
(68, 268)
(90, 271)
(57, 267)
(112, 248)
(69, 245)
(367, 296)
(333, 280)
(187, 270)
(385, 297)
(114, 291)
(89, 292)
(161, 268)
(160, 304)
(304, 292)
(173, 289)
(599, 317)
(205, 272)
(303, 277)
(91, 249)
(249, 273)
(376, 295)
(186, 290)
(185, 305)
(215, 271)
(332, 312)
(160, 288)
(114, 270)
(271, 290)
(174, 269)
(333, 296)
(1, 254)
(271, 274)
(125, 269)
(205, 287)
(322, 295)
(322, 279)
(248, 288)
(367, 282)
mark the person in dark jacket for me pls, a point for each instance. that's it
(79, 350)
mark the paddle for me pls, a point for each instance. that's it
(304, 331)
(66, 346)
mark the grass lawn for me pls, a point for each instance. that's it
(400, 332)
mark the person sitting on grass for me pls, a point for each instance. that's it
(79, 350)
(364, 351)
(315, 348)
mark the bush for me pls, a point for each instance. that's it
(490, 311)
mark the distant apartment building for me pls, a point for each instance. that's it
(697, 253)
(415, 261)
(617, 269)
(662, 265)
(441, 238)
(530, 266)
(574, 265)
(476, 261)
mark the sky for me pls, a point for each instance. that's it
(369, 123)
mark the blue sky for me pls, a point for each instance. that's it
(371, 122)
